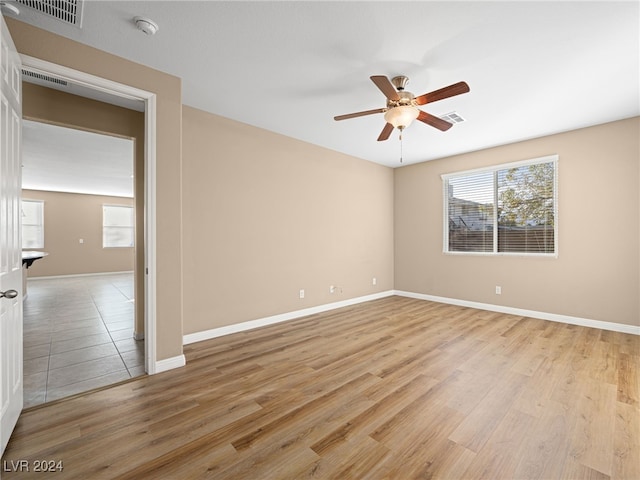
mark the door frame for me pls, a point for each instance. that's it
(149, 99)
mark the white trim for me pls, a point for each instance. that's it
(553, 317)
(283, 317)
(53, 277)
(85, 79)
(170, 363)
(151, 364)
(127, 91)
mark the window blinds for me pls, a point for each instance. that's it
(504, 209)
(32, 224)
(117, 226)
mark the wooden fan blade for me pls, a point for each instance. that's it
(385, 87)
(386, 131)
(446, 92)
(434, 121)
(360, 114)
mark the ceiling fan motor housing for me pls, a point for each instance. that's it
(406, 99)
(400, 82)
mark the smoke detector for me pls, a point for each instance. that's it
(146, 25)
(7, 7)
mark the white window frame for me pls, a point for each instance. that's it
(40, 243)
(494, 169)
(105, 227)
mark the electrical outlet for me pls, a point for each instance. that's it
(301, 293)
(332, 289)
(498, 290)
(374, 281)
(81, 240)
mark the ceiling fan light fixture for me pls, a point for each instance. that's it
(401, 116)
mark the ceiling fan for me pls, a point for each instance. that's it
(402, 106)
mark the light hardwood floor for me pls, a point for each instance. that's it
(395, 388)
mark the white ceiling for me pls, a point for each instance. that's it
(534, 68)
(62, 159)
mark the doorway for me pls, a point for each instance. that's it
(79, 307)
(91, 87)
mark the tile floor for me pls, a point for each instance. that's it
(78, 335)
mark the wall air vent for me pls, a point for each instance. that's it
(67, 11)
(453, 117)
(44, 78)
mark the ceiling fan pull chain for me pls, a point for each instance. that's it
(400, 146)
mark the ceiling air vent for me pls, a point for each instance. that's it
(44, 78)
(67, 11)
(453, 117)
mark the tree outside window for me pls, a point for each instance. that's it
(503, 209)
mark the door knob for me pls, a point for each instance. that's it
(9, 294)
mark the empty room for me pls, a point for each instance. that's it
(381, 240)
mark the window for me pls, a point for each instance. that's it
(507, 209)
(32, 224)
(117, 226)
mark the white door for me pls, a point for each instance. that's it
(10, 236)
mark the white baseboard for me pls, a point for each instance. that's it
(73, 275)
(138, 336)
(583, 322)
(261, 322)
(169, 364)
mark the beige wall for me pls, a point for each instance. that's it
(53, 106)
(262, 216)
(59, 50)
(596, 275)
(69, 217)
(266, 215)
